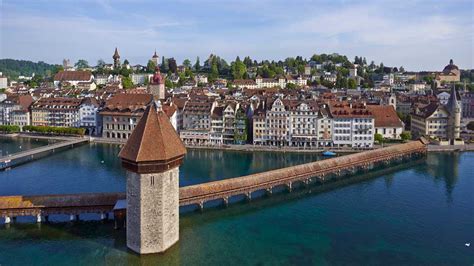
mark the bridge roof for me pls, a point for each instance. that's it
(60, 201)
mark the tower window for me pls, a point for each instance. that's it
(152, 181)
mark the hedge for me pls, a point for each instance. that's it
(9, 129)
(56, 130)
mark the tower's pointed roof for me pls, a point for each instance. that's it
(155, 55)
(116, 54)
(453, 101)
(153, 141)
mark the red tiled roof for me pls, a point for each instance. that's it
(385, 116)
(73, 75)
(154, 139)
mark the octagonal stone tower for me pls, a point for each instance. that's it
(152, 156)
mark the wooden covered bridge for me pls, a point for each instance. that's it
(103, 203)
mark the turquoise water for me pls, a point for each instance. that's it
(421, 213)
(14, 145)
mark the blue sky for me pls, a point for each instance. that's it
(420, 35)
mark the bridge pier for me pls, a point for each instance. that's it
(248, 195)
(72, 217)
(289, 186)
(38, 218)
(201, 205)
(103, 216)
(225, 201)
(7, 220)
(306, 181)
(269, 191)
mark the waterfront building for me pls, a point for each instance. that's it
(303, 123)
(278, 124)
(259, 128)
(430, 120)
(217, 126)
(121, 114)
(437, 120)
(387, 122)
(229, 123)
(15, 110)
(197, 120)
(89, 116)
(57, 112)
(72, 78)
(353, 125)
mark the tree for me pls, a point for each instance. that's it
(125, 62)
(405, 135)
(470, 126)
(81, 64)
(197, 65)
(378, 137)
(291, 86)
(401, 69)
(214, 73)
(187, 63)
(352, 84)
(238, 69)
(173, 67)
(248, 62)
(150, 66)
(127, 82)
(164, 65)
(100, 64)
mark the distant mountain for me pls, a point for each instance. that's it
(13, 68)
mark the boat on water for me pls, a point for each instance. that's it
(329, 153)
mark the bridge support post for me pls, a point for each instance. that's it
(38, 218)
(269, 191)
(46, 218)
(102, 216)
(201, 205)
(72, 217)
(248, 195)
(7, 220)
(226, 201)
(306, 181)
(290, 186)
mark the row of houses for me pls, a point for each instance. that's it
(22, 110)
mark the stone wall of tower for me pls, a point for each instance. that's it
(152, 211)
(158, 91)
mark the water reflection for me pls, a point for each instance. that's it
(444, 167)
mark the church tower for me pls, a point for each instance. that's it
(152, 156)
(155, 58)
(116, 58)
(454, 120)
(157, 85)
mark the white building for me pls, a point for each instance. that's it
(353, 125)
(139, 79)
(88, 116)
(3, 81)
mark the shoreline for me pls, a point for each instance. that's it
(247, 147)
